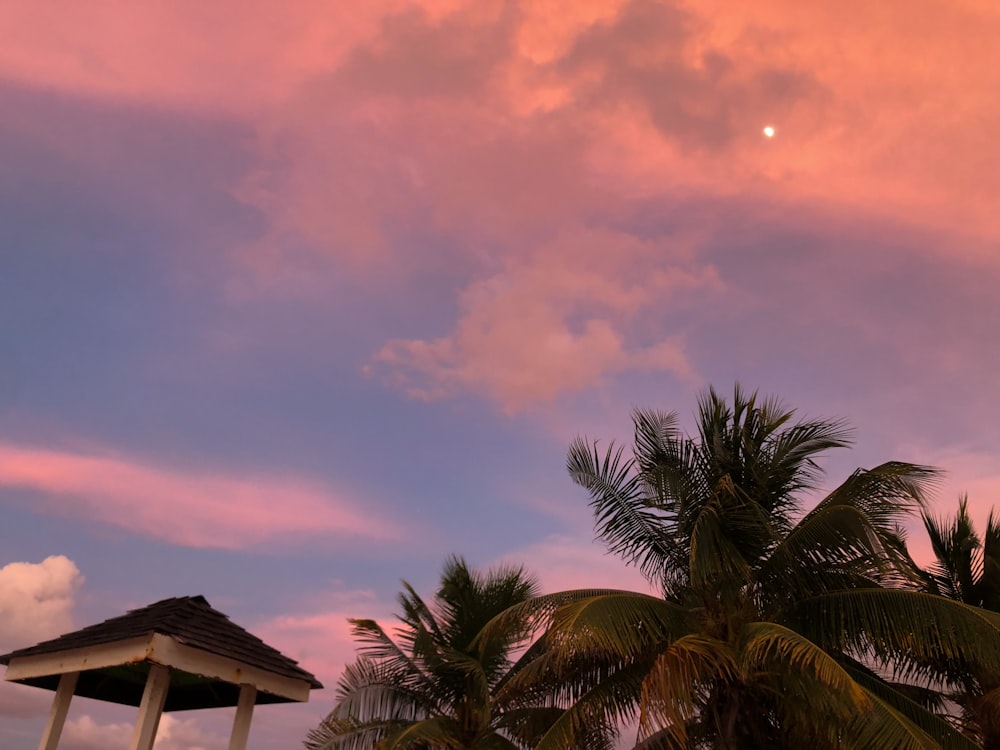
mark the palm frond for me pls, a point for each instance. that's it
(834, 547)
(591, 722)
(679, 682)
(447, 678)
(713, 556)
(369, 689)
(917, 632)
(887, 726)
(958, 563)
(900, 700)
(378, 646)
(887, 494)
(624, 518)
(989, 583)
(620, 623)
(769, 647)
(417, 615)
(439, 732)
(349, 734)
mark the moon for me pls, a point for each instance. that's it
(769, 131)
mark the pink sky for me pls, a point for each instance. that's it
(298, 298)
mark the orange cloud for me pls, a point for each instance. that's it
(185, 508)
(872, 102)
(879, 109)
(224, 57)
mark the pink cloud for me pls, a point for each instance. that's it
(967, 472)
(318, 636)
(564, 562)
(555, 321)
(489, 128)
(495, 133)
(184, 507)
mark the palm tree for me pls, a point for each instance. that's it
(438, 684)
(966, 568)
(775, 627)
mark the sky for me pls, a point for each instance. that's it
(297, 299)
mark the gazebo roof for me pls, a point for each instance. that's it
(209, 656)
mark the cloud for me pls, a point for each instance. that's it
(556, 321)
(583, 122)
(36, 600)
(641, 92)
(565, 562)
(967, 472)
(319, 635)
(36, 603)
(85, 733)
(456, 139)
(656, 59)
(207, 510)
(184, 55)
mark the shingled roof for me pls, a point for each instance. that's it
(190, 621)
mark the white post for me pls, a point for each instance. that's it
(153, 698)
(244, 713)
(60, 707)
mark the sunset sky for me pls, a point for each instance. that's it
(298, 298)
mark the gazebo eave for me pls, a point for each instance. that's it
(43, 670)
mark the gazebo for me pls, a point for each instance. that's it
(174, 655)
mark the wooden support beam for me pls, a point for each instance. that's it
(151, 708)
(60, 707)
(131, 651)
(165, 650)
(244, 713)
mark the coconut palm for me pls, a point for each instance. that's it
(966, 565)
(774, 627)
(966, 568)
(434, 685)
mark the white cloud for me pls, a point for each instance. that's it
(84, 733)
(36, 600)
(36, 603)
